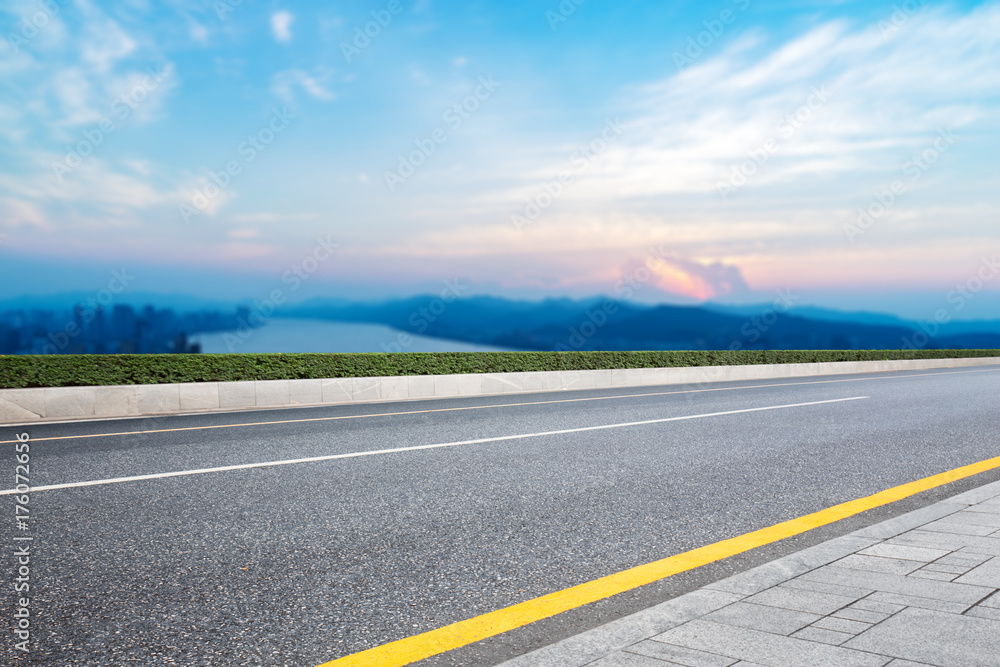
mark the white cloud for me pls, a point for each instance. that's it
(75, 83)
(17, 211)
(199, 33)
(683, 136)
(886, 98)
(141, 167)
(271, 217)
(281, 26)
(77, 97)
(284, 84)
(103, 43)
(196, 196)
(657, 183)
(96, 196)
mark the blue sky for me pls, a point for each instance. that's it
(842, 150)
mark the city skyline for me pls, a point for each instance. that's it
(224, 150)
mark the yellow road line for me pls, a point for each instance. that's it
(427, 644)
(469, 407)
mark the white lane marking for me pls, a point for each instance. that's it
(378, 452)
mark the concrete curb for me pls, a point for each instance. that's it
(66, 403)
(589, 647)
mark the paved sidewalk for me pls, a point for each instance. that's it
(920, 589)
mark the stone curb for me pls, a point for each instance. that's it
(590, 646)
(19, 406)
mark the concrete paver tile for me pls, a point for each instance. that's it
(765, 648)
(976, 518)
(982, 550)
(984, 612)
(868, 604)
(985, 509)
(799, 600)
(935, 576)
(992, 502)
(760, 617)
(987, 574)
(878, 564)
(842, 625)
(965, 543)
(680, 655)
(863, 615)
(622, 659)
(962, 559)
(948, 569)
(832, 589)
(919, 602)
(892, 583)
(920, 554)
(933, 637)
(992, 601)
(823, 636)
(953, 527)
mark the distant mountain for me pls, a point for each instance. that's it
(697, 328)
(481, 319)
(816, 313)
(948, 329)
(597, 323)
(600, 324)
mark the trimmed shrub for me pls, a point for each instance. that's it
(99, 370)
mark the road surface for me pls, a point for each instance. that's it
(478, 504)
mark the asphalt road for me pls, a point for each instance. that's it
(302, 563)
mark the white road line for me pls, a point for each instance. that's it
(377, 452)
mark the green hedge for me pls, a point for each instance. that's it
(95, 370)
